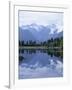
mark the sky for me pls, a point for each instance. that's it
(42, 18)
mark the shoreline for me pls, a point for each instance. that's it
(38, 47)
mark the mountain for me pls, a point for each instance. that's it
(25, 35)
(39, 33)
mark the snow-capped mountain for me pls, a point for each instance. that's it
(26, 35)
(38, 33)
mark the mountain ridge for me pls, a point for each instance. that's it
(38, 33)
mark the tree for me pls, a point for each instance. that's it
(26, 43)
(19, 43)
(22, 43)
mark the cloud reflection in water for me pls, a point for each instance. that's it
(40, 65)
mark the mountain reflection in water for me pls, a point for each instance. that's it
(40, 63)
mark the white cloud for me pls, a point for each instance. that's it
(42, 18)
(53, 70)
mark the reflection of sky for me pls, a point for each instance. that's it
(40, 18)
(40, 65)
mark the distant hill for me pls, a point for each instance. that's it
(38, 33)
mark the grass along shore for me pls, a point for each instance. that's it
(38, 47)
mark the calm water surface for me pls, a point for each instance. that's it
(39, 64)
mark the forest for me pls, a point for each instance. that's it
(51, 43)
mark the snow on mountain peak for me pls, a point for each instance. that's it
(40, 32)
(53, 28)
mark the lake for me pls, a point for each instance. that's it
(40, 63)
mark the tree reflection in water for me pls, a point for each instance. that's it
(51, 52)
(40, 63)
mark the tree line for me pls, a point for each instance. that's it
(57, 42)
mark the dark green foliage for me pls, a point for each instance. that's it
(56, 43)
